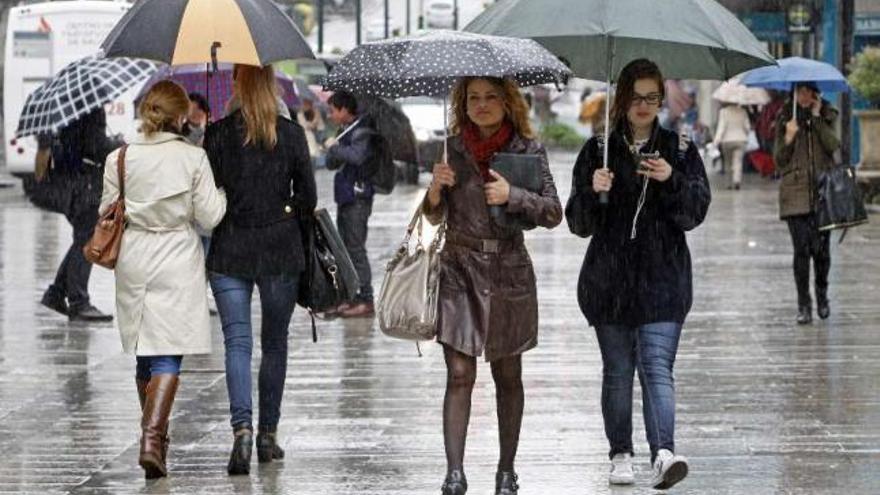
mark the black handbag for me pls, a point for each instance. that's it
(840, 202)
(329, 278)
(50, 192)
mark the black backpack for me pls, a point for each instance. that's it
(379, 168)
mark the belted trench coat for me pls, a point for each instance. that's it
(488, 300)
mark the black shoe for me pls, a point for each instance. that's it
(240, 457)
(54, 300)
(822, 309)
(505, 483)
(455, 483)
(805, 315)
(267, 446)
(87, 313)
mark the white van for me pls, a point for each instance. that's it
(42, 38)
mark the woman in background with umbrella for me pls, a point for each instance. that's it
(488, 299)
(805, 146)
(635, 283)
(261, 159)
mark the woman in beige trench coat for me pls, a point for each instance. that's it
(488, 300)
(161, 302)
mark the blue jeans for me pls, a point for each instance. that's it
(147, 366)
(651, 350)
(277, 300)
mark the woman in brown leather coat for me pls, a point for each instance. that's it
(488, 301)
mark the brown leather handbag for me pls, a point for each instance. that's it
(103, 248)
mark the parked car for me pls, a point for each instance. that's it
(426, 118)
(374, 29)
(440, 14)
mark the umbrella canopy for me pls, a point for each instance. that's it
(392, 123)
(794, 70)
(429, 64)
(218, 87)
(734, 92)
(688, 39)
(179, 32)
(76, 90)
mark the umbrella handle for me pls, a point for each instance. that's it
(603, 196)
(214, 46)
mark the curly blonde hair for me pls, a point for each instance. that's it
(161, 108)
(257, 91)
(516, 109)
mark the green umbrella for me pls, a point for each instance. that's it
(687, 39)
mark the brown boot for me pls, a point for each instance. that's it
(160, 394)
(142, 396)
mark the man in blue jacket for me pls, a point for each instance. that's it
(348, 153)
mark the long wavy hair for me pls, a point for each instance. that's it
(516, 109)
(257, 92)
(637, 69)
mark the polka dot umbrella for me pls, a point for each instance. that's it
(429, 64)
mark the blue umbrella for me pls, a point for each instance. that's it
(796, 70)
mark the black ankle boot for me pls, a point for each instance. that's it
(267, 445)
(455, 483)
(805, 315)
(505, 483)
(240, 457)
(822, 308)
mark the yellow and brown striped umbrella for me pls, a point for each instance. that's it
(178, 32)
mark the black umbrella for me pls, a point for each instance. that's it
(179, 32)
(429, 64)
(79, 88)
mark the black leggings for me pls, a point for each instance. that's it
(808, 244)
(461, 374)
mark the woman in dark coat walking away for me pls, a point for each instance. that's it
(488, 299)
(635, 283)
(803, 150)
(261, 158)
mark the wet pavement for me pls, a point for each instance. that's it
(764, 406)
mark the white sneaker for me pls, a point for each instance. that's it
(621, 470)
(669, 469)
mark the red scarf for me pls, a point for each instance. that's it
(483, 149)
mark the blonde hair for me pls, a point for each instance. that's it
(256, 90)
(515, 107)
(162, 107)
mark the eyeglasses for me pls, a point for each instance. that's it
(652, 99)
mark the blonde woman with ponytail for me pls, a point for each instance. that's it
(261, 158)
(161, 302)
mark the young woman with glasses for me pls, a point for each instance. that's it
(635, 282)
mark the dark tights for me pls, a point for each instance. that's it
(461, 373)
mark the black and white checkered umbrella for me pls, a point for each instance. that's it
(428, 64)
(79, 88)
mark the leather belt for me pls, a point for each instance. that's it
(492, 246)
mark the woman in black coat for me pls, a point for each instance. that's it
(635, 283)
(261, 158)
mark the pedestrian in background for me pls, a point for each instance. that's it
(160, 274)
(635, 285)
(804, 149)
(261, 158)
(353, 192)
(311, 120)
(78, 153)
(731, 136)
(197, 119)
(488, 297)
